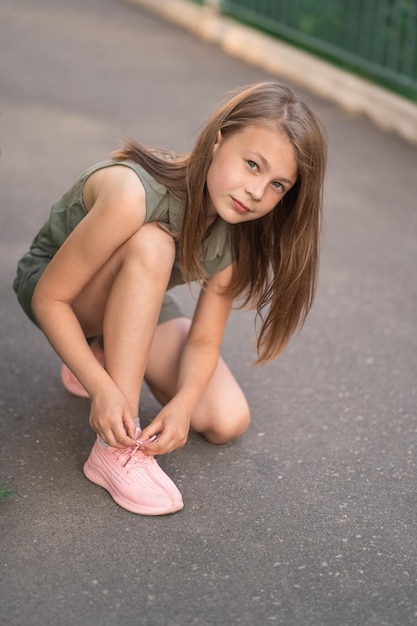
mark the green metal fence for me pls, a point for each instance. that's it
(375, 38)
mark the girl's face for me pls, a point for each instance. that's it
(250, 172)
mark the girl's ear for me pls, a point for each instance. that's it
(219, 139)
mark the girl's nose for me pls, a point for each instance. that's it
(256, 189)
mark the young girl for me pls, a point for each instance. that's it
(241, 214)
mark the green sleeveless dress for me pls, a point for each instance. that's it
(161, 206)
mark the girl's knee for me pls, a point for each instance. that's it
(228, 427)
(152, 247)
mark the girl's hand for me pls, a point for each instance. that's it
(171, 426)
(111, 418)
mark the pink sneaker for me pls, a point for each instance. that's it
(70, 382)
(134, 479)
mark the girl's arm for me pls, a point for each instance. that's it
(198, 363)
(116, 210)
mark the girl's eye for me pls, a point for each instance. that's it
(278, 186)
(252, 165)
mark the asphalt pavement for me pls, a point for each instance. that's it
(309, 519)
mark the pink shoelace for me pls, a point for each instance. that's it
(132, 455)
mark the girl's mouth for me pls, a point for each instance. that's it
(240, 208)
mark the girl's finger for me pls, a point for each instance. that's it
(162, 444)
(117, 437)
(150, 431)
(130, 428)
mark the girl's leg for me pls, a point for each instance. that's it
(122, 302)
(222, 413)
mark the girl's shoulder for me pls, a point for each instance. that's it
(104, 182)
(120, 177)
(113, 172)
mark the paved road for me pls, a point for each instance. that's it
(310, 518)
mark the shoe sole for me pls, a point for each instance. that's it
(96, 476)
(68, 379)
(71, 384)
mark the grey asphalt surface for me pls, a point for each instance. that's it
(309, 518)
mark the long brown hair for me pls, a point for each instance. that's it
(276, 256)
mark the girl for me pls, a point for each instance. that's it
(241, 214)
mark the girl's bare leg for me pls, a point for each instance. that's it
(222, 413)
(123, 301)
